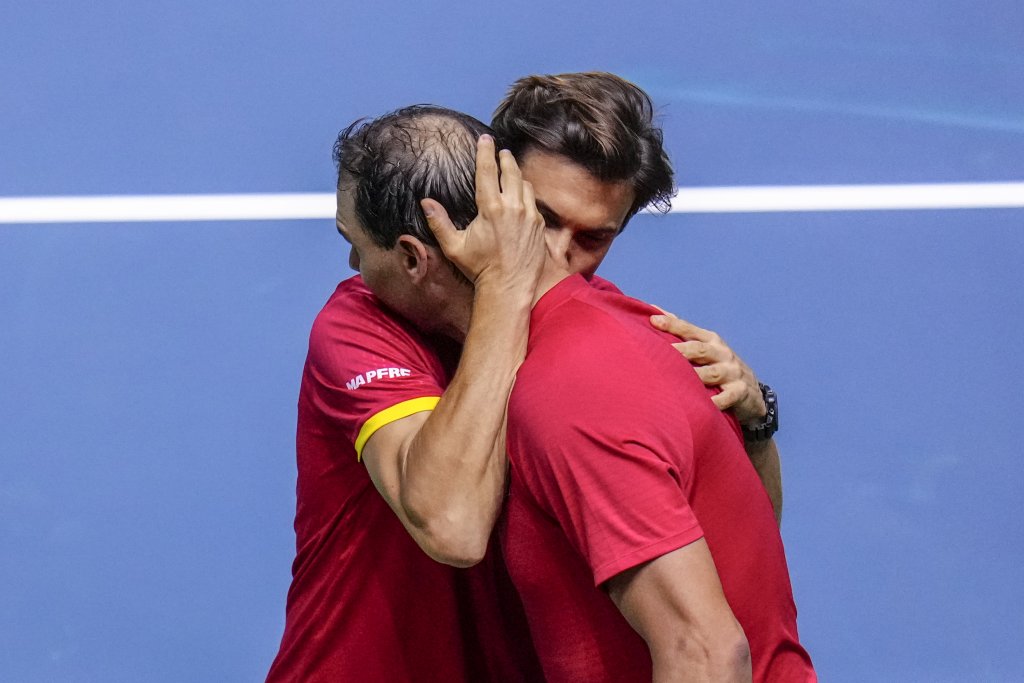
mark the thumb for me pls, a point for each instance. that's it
(439, 223)
(663, 311)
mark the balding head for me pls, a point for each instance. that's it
(392, 162)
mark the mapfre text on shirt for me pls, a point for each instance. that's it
(380, 373)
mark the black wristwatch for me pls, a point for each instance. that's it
(769, 424)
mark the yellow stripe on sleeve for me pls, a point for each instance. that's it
(392, 414)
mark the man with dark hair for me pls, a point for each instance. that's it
(432, 439)
(635, 529)
(569, 130)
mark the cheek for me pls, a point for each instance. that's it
(370, 278)
(375, 275)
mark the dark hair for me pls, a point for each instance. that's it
(597, 120)
(409, 154)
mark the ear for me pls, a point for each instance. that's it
(415, 257)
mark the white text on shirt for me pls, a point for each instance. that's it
(379, 373)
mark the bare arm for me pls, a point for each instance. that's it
(676, 604)
(443, 471)
(717, 365)
(764, 455)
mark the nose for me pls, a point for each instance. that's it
(559, 243)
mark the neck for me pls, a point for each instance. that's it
(455, 326)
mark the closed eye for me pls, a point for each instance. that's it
(595, 240)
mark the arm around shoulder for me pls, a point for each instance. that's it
(443, 471)
(717, 365)
(451, 529)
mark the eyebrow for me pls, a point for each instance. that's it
(547, 211)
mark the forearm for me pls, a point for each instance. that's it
(453, 472)
(764, 455)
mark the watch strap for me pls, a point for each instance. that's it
(769, 424)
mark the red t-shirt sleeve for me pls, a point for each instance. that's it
(593, 444)
(366, 368)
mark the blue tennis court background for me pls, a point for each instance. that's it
(149, 371)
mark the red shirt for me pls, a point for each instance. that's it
(618, 456)
(366, 603)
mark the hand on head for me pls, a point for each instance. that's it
(504, 244)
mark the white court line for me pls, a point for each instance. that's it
(294, 206)
(849, 197)
(171, 207)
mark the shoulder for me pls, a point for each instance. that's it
(593, 325)
(591, 353)
(355, 334)
(353, 311)
(365, 362)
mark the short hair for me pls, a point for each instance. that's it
(406, 155)
(597, 120)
